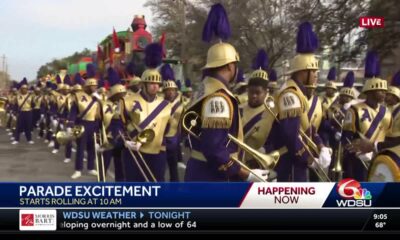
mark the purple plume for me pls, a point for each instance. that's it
(188, 83)
(78, 79)
(90, 70)
(130, 68)
(113, 77)
(372, 66)
(307, 41)
(272, 75)
(217, 24)
(349, 80)
(67, 80)
(396, 80)
(261, 60)
(331, 74)
(179, 84)
(240, 77)
(153, 55)
(58, 79)
(167, 73)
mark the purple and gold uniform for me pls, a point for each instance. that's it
(24, 103)
(364, 121)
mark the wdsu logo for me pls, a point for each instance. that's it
(353, 195)
(37, 220)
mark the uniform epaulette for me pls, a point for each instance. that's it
(217, 111)
(289, 104)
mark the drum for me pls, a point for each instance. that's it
(384, 168)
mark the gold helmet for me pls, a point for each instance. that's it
(348, 83)
(395, 85)
(60, 84)
(168, 77)
(372, 71)
(134, 81)
(331, 79)
(153, 59)
(273, 79)
(115, 82)
(78, 82)
(307, 44)
(217, 24)
(90, 75)
(260, 66)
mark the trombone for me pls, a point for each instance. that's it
(143, 137)
(102, 172)
(266, 161)
(309, 146)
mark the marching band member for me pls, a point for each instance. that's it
(218, 112)
(113, 124)
(61, 103)
(257, 122)
(273, 86)
(293, 108)
(330, 90)
(134, 83)
(24, 113)
(392, 98)
(369, 120)
(172, 137)
(37, 113)
(85, 111)
(11, 102)
(392, 139)
(187, 96)
(150, 113)
(241, 88)
(314, 115)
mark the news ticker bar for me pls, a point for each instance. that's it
(347, 193)
(224, 220)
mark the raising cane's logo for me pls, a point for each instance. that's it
(353, 194)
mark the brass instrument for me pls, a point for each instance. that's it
(63, 137)
(337, 169)
(102, 170)
(266, 161)
(141, 136)
(309, 146)
(3, 102)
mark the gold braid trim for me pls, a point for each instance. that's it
(290, 113)
(216, 123)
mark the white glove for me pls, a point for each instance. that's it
(8, 114)
(98, 148)
(366, 157)
(135, 146)
(257, 174)
(51, 118)
(346, 106)
(325, 157)
(338, 136)
(41, 117)
(96, 95)
(69, 131)
(55, 123)
(62, 127)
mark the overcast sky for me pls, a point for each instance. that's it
(33, 32)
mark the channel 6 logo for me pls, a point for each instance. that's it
(353, 195)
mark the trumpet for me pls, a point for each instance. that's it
(309, 146)
(64, 137)
(266, 161)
